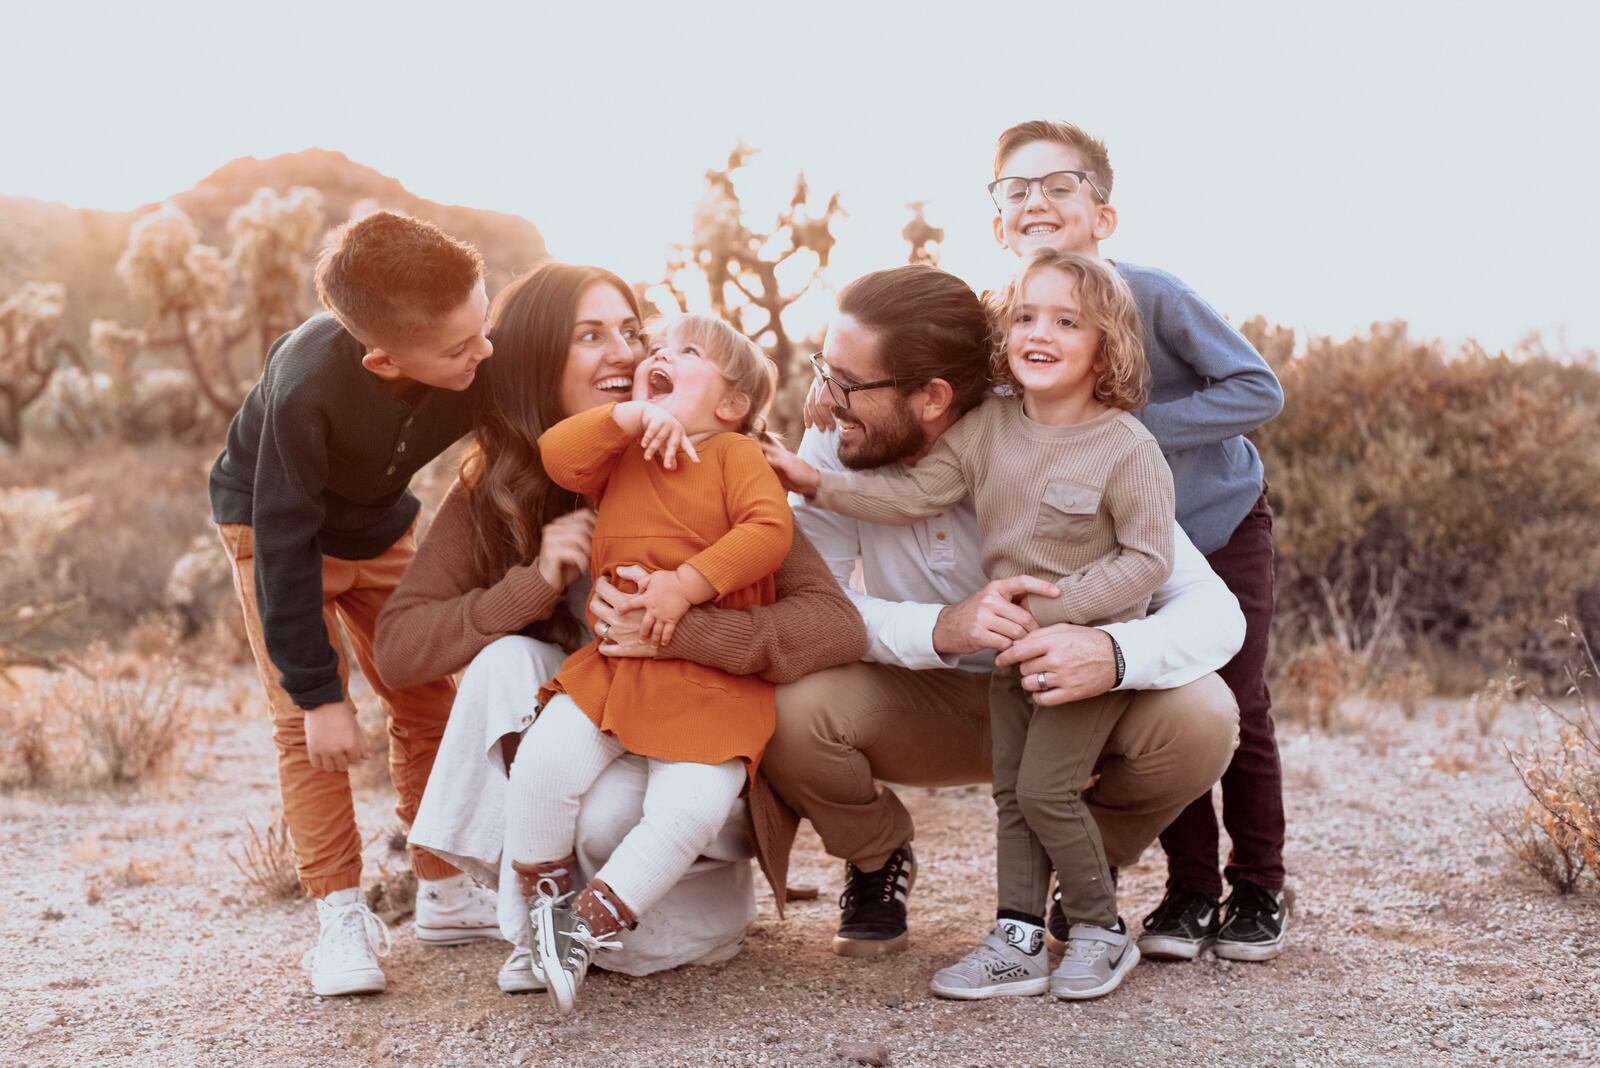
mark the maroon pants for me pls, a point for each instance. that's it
(1252, 787)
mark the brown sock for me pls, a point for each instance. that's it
(560, 872)
(590, 906)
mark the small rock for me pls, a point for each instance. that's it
(520, 1056)
(1308, 1032)
(1535, 994)
(770, 1037)
(1439, 1043)
(869, 1053)
(1463, 1001)
(1483, 860)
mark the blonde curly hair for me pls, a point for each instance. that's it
(1104, 300)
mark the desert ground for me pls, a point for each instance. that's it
(132, 938)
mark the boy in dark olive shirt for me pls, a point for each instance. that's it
(310, 498)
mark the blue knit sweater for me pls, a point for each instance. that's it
(1209, 387)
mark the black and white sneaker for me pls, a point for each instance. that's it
(1182, 927)
(872, 909)
(1254, 923)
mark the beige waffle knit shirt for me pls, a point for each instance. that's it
(1088, 507)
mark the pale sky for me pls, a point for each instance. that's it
(1327, 166)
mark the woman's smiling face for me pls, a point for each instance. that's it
(605, 345)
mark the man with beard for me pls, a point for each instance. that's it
(907, 355)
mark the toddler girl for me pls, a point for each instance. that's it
(714, 528)
(1070, 488)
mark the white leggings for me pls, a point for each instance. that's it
(685, 804)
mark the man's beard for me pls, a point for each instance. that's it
(897, 438)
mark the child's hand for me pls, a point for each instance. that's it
(818, 411)
(564, 548)
(334, 740)
(657, 429)
(795, 474)
(665, 602)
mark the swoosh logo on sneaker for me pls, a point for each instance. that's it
(1205, 917)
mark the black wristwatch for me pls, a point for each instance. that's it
(1122, 665)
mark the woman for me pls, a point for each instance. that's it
(497, 582)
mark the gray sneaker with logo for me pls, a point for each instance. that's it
(1094, 962)
(1009, 962)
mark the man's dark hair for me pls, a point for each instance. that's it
(386, 274)
(929, 324)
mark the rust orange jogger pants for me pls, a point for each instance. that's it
(317, 805)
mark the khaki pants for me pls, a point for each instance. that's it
(317, 805)
(843, 731)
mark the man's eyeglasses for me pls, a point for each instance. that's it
(840, 391)
(1057, 185)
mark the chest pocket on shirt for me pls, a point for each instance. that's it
(1067, 510)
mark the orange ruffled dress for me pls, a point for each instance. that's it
(726, 516)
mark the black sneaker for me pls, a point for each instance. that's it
(1182, 927)
(1253, 923)
(1057, 928)
(872, 909)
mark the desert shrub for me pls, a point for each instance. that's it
(130, 722)
(267, 861)
(105, 723)
(120, 528)
(1556, 833)
(1457, 492)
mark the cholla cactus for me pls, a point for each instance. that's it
(271, 238)
(920, 234)
(186, 284)
(740, 264)
(31, 347)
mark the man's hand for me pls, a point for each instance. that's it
(334, 740)
(564, 548)
(818, 411)
(617, 616)
(990, 618)
(795, 474)
(1077, 663)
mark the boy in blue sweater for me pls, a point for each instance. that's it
(1209, 387)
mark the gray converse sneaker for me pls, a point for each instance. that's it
(563, 946)
(1009, 962)
(1094, 962)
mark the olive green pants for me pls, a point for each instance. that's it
(1043, 758)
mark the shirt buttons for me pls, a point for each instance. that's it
(410, 419)
(402, 447)
(391, 470)
(940, 535)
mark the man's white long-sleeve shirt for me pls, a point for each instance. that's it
(908, 574)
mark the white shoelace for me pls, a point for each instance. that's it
(1085, 950)
(345, 924)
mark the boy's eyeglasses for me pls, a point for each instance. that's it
(840, 391)
(1057, 185)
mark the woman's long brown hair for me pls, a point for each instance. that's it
(510, 498)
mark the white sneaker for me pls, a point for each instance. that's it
(519, 974)
(455, 910)
(1094, 963)
(1009, 962)
(345, 958)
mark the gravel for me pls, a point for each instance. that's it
(1414, 942)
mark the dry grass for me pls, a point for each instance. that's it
(267, 862)
(1556, 834)
(109, 723)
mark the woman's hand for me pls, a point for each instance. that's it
(617, 616)
(818, 411)
(795, 474)
(657, 429)
(564, 546)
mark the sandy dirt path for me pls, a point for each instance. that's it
(130, 939)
